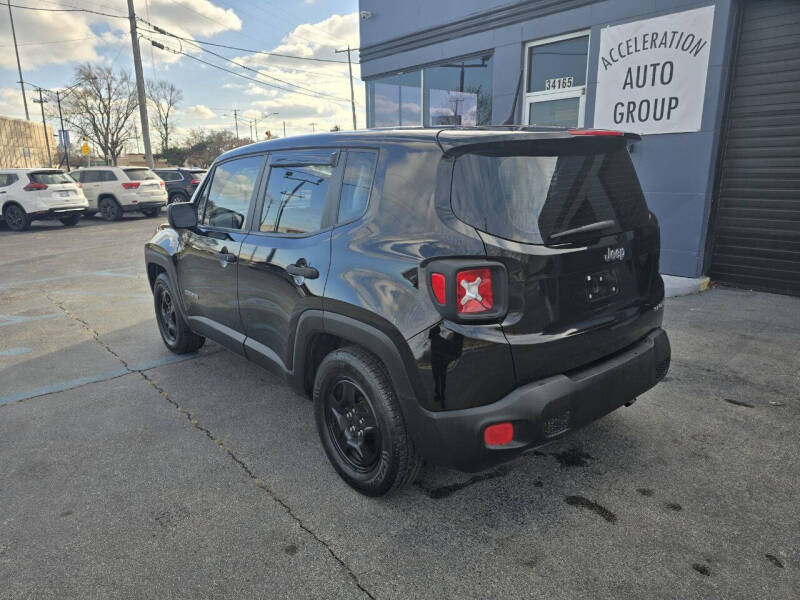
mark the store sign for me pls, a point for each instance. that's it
(651, 74)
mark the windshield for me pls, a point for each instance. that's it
(140, 174)
(531, 197)
(50, 177)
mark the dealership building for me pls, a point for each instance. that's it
(713, 87)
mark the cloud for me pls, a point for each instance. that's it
(199, 111)
(11, 103)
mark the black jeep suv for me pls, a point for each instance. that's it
(457, 295)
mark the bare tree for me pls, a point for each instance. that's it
(164, 97)
(101, 108)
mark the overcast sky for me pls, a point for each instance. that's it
(53, 43)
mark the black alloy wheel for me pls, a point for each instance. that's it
(167, 316)
(352, 425)
(16, 218)
(110, 209)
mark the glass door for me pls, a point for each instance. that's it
(555, 80)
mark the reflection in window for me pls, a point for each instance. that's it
(295, 200)
(558, 65)
(459, 92)
(230, 192)
(395, 100)
(558, 113)
(356, 184)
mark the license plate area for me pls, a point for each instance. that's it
(601, 285)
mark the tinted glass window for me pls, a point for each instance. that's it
(295, 198)
(107, 176)
(50, 177)
(395, 100)
(140, 174)
(459, 92)
(230, 192)
(6, 179)
(356, 184)
(528, 198)
(557, 66)
(169, 175)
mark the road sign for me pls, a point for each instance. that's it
(85, 149)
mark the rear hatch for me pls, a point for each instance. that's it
(568, 218)
(55, 187)
(150, 185)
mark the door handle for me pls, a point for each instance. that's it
(302, 269)
(226, 257)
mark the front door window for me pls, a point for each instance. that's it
(555, 80)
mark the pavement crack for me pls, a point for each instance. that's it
(95, 334)
(257, 482)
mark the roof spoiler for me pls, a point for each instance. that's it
(460, 140)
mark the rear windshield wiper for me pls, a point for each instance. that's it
(598, 226)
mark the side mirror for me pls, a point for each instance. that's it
(182, 215)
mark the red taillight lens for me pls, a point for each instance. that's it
(79, 184)
(195, 182)
(595, 132)
(130, 185)
(474, 291)
(34, 187)
(498, 434)
(161, 183)
(438, 286)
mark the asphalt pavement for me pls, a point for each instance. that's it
(129, 472)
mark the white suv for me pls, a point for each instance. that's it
(112, 191)
(32, 194)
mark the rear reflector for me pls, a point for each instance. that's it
(34, 187)
(438, 287)
(498, 434)
(130, 185)
(474, 291)
(595, 132)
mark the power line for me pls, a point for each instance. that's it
(84, 10)
(259, 81)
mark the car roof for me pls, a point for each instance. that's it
(31, 170)
(446, 138)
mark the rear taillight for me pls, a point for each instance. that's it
(130, 185)
(195, 182)
(79, 184)
(161, 183)
(474, 291)
(439, 287)
(498, 434)
(34, 187)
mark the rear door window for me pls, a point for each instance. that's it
(530, 197)
(356, 184)
(230, 191)
(297, 194)
(6, 179)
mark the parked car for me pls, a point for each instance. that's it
(112, 191)
(181, 182)
(36, 194)
(455, 295)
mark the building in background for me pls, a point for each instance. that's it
(24, 144)
(714, 87)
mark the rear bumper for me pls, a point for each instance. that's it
(58, 212)
(544, 410)
(146, 204)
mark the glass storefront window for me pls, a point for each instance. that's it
(459, 92)
(559, 113)
(395, 100)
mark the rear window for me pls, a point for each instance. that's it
(140, 174)
(530, 197)
(50, 177)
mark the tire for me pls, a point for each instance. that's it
(110, 210)
(16, 218)
(177, 197)
(353, 394)
(151, 212)
(174, 331)
(70, 221)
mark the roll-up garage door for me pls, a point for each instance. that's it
(756, 240)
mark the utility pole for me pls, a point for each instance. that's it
(137, 65)
(352, 93)
(235, 116)
(284, 129)
(313, 128)
(64, 142)
(19, 66)
(41, 102)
